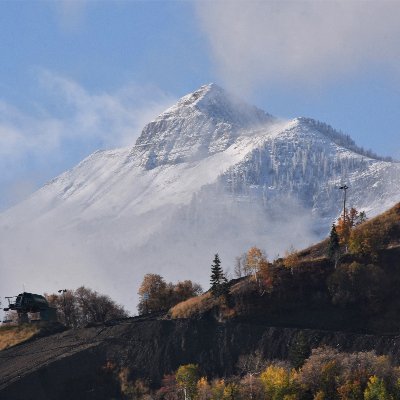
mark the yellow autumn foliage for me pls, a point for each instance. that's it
(12, 335)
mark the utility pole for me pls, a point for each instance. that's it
(344, 188)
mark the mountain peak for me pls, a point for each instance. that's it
(201, 123)
(202, 93)
(204, 96)
(216, 102)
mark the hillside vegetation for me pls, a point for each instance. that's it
(352, 288)
(13, 335)
(325, 375)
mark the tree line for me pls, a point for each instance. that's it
(83, 306)
(156, 295)
(325, 374)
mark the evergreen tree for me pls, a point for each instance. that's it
(299, 351)
(334, 246)
(218, 281)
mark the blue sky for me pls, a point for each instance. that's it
(76, 76)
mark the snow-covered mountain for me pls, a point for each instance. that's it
(210, 174)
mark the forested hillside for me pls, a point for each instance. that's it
(347, 282)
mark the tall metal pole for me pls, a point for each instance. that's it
(344, 188)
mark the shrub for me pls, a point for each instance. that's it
(193, 306)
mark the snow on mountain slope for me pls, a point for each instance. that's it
(302, 162)
(200, 124)
(210, 174)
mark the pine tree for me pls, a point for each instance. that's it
(299, 351)
(334, 246)
(218, 281)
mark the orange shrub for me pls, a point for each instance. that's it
(193, 306)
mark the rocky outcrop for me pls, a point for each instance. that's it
(84, 363)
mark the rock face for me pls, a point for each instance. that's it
(84, 364)
(201, 124)
(210, 174)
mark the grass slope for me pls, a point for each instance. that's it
(13, 335)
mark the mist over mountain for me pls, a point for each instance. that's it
(210, 174)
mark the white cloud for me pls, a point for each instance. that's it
(68, 124)
(21, 133)
(113, 119)
(308, 42)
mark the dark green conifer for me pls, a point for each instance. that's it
(218, 281)
(299, 351)
(334, 246)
